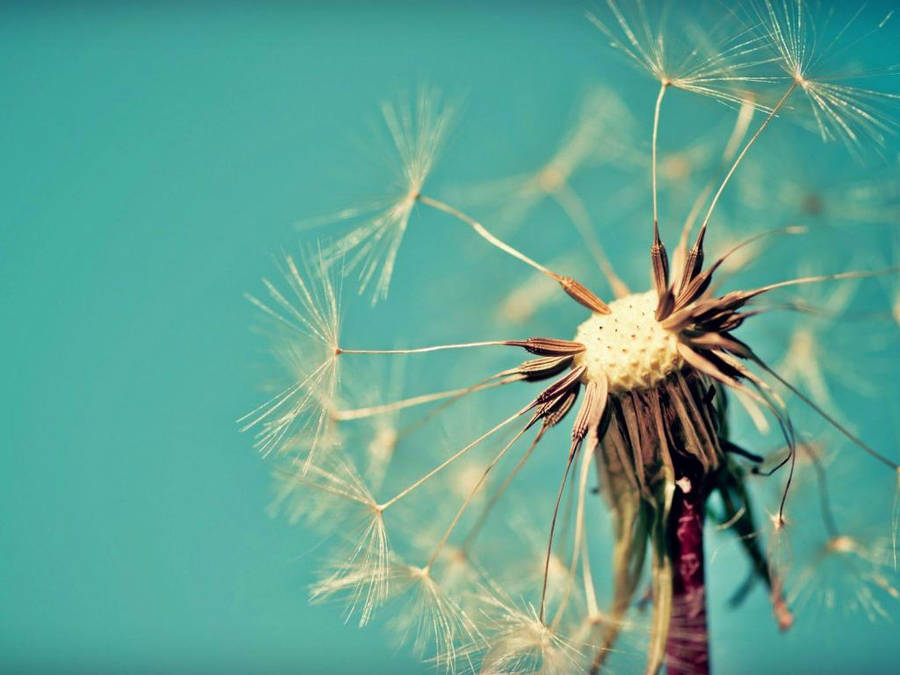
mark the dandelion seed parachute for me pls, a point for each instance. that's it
(418, 130)
(307, 318)
(840, 109)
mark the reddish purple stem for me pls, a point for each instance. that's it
(687, 649)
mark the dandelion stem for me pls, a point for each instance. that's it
(687, 647)
(743, 152)
(459, 453)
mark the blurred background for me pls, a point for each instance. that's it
(157, 157)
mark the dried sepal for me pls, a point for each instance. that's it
(582, 295)
(541, 368)
(659, 261)
(548, 346)
(560, 387)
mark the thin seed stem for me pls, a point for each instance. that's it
(738, 132)
(468, 500)
(791, 229)
(743, 152)
(485, 234)
(856, 274)
(486, 511)
(371, 411)
(662, 91)
(459, 453)
(828, 418)
(562, 487)
(682, 246)
(575, 290)
(578, 541)
(424, 350)
(574, 208)
(421, 421)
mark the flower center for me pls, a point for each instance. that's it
(628, 346)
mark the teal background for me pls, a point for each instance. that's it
(155, 157)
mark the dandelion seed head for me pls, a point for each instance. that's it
(628, 347)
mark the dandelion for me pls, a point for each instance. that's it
(641, 388)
